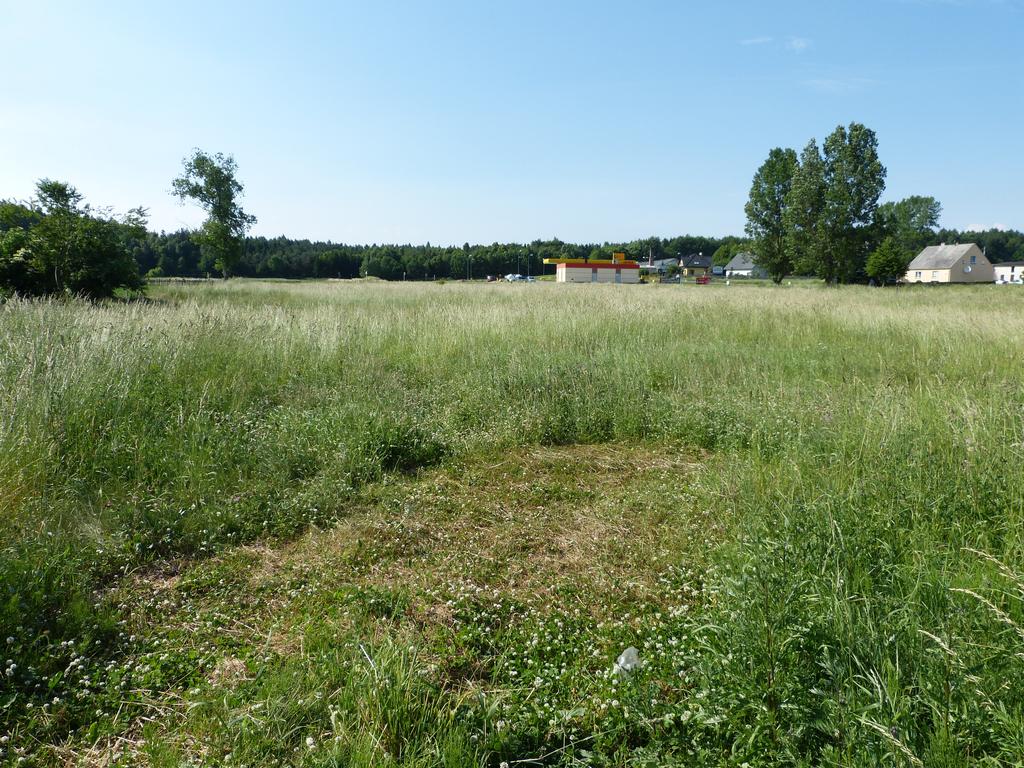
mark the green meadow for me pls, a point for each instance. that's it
(358, 523)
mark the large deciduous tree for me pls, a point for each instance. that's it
(210, 180)
(854, 180)
(911, 221)
(802, 217)
(766, 212)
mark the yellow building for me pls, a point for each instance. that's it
(950, 264)
(617, 269)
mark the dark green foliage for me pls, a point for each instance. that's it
(820, 215)
(854, 180)
(804, 237)
(911, 221)
(60, 245)
(888, 262)
(766, 212)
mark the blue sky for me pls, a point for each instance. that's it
(482, 121)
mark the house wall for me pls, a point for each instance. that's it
(1008, 274)
(928, 276)
(603, 274)
(981, 271)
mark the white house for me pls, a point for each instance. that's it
(658, 266)
(742, 265)
(1009, 272)
(943, 263)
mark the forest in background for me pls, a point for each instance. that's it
(175, 254)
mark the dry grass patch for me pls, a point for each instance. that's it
(592, 520)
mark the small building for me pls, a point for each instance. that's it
(1009, 272)
(742, 265)
(658, 266)
(943, 263)
(617, 269)
(695, 265)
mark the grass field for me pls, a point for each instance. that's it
(355, 524)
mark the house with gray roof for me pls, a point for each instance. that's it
(695, 265)
(962, 263)
(742, 265)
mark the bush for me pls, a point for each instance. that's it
(65, 247)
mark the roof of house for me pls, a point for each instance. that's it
(1009, 264)
(741, 261)
(695, 260)
(941, 256)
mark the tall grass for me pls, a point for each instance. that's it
(870, 441)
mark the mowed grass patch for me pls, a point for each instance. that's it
(410, 632)
(595, 520)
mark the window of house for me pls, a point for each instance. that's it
(974, 258)
(917, 275)
(935, 275)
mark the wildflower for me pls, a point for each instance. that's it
(310, 742)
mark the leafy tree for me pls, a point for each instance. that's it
(854, 180)
(888, 262)
(766, 212)
(66, 247)
(210, 181)
(17, 271)
(803, 212)
(911, 221)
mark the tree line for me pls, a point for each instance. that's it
(816, 214)
(176, 254)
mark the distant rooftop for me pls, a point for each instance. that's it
(941, 256)
(741, 261)
(695, 260)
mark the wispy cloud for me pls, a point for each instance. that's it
(798, 44)
(756, 40)
(839, 84)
